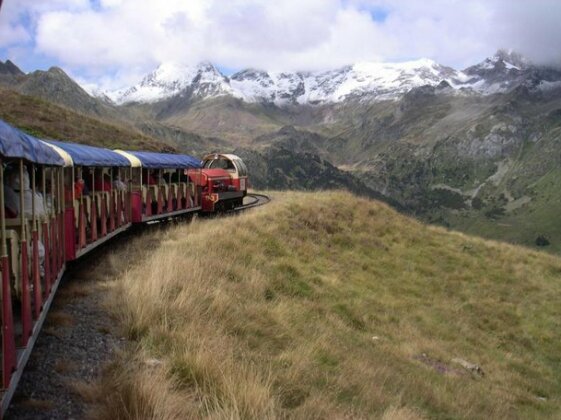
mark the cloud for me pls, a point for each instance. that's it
(533, 29)
(13, 34)
(115, 41)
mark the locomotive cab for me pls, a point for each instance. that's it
(231, 164)
(224, 182)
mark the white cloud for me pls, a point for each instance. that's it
(118, 40)
(18, 18)
(13, 34)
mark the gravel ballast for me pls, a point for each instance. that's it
(76, 342)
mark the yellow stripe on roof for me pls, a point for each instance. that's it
(68, 162)
(135, 162)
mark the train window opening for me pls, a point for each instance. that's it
(221, 163)
(242, 169)
(29, 185)
(135, 178)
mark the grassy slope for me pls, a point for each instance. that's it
(525, 224)
(44, 119)
(325, 305)
(225, 118)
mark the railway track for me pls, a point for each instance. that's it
(254, 200)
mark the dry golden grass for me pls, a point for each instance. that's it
(130, 389)
(58, 318)
(88, 391)
(329, 306)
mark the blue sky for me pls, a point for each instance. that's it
(378, 14)
(113, 43)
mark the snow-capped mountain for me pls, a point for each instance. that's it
(361, 81)
(170, 79)
(364, 80)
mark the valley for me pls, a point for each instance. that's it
(476, 150)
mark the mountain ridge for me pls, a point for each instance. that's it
(363, 81)
(480, 155)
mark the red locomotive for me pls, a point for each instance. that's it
(223, 182)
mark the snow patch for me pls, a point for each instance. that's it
(363, 81)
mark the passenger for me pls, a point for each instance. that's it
(28, 208)
(48, 197)
(11, 199)
(79, 187)
(13, 182)
(119, 185)
(28, 197)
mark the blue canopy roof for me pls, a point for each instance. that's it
(83, 155)
(153, 160)
(16, 144)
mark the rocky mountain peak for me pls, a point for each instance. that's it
(10, 69)
(208, 67)
(57, 72)
(502, 72)
(171, 79)
(511, 57)
(250, 74)
(502, 63)
(364, 81)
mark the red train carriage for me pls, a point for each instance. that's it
(31, 245)
(95, 207)
(223, 181)
(159, 185)
(60, 200)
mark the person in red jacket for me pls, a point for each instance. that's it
(79, 187)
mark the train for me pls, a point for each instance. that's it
(60, 200)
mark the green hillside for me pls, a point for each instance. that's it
(483, 164)
(325, 305)
(47, 120)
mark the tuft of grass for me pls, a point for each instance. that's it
(325, 305)
(88, 391)
(126, 392)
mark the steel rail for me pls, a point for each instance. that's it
(258, 200)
